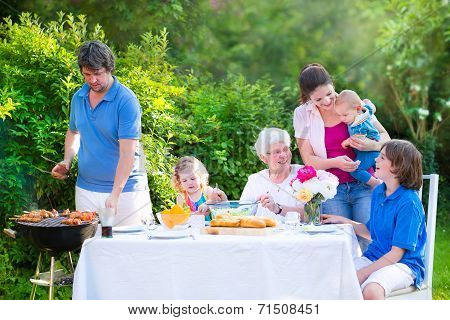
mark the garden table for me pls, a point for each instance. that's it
(285, 265)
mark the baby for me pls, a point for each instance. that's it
(358, 116)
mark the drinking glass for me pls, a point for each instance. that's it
(197, 221)
(106, 216)
(148, 220)
(292, 220)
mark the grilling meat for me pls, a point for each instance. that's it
(77, 217)
(38, 215)
(30, 219)
(73, 218)
(65, 212)
(72, 221)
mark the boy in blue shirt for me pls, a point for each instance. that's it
(358, 116)
(394, 259)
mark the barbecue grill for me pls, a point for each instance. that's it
(53, 237)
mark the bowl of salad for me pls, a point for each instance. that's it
(234, 208)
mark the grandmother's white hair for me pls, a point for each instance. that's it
(269, 136)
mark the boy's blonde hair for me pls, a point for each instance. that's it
(189, 164)
(406, 161)
(350, 97)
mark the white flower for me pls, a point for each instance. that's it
(313, 185)
(415, 87)
(323, 175)
(328, 189)
(423, 113)
(296, 185)
(325, 183)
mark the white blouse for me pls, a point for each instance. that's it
(259, 184)
(309, 125)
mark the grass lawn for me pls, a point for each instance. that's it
(441, 274)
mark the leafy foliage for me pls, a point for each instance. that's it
(144, 69)
(416, 48)
(123, 21)
(196, 114)
(237, 110)
(5, 110)
(38, 76)
(277, 38)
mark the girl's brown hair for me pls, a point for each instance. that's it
(186, 164)
(406, 162)
(311, 77)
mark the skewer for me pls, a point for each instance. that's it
(41, 170)
(50, 160)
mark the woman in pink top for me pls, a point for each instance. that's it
(320, 132)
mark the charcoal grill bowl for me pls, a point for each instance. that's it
(58, 239)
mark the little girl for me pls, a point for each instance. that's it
(394, 259)
(190, 179)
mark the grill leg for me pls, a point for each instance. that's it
(52, 267)
(36, 275)
(69, 256)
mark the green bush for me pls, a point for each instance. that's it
(226, 118)
(144, 70)
(416, 68)
(38, 77)
(217, 122)
(178, 113)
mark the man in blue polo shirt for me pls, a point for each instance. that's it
(104, 130)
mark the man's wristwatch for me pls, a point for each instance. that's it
(280, 208)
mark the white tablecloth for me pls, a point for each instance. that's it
(281, 266)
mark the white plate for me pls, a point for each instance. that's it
(162, 233)
(320, 229)
(124, 229)
(179, 227)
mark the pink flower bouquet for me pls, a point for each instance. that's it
(312, 187)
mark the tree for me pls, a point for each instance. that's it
(416, 47)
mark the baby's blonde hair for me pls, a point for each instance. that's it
(349, 97)
(189, 164)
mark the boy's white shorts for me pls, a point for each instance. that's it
(392, 278)
(131, 209)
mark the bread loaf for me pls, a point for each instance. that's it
(252, 222)
(270, 222)
(224, 216)
(227, 220)
(225, 223)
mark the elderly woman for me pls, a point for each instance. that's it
(271, 186)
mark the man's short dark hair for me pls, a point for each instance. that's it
(95, 55)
